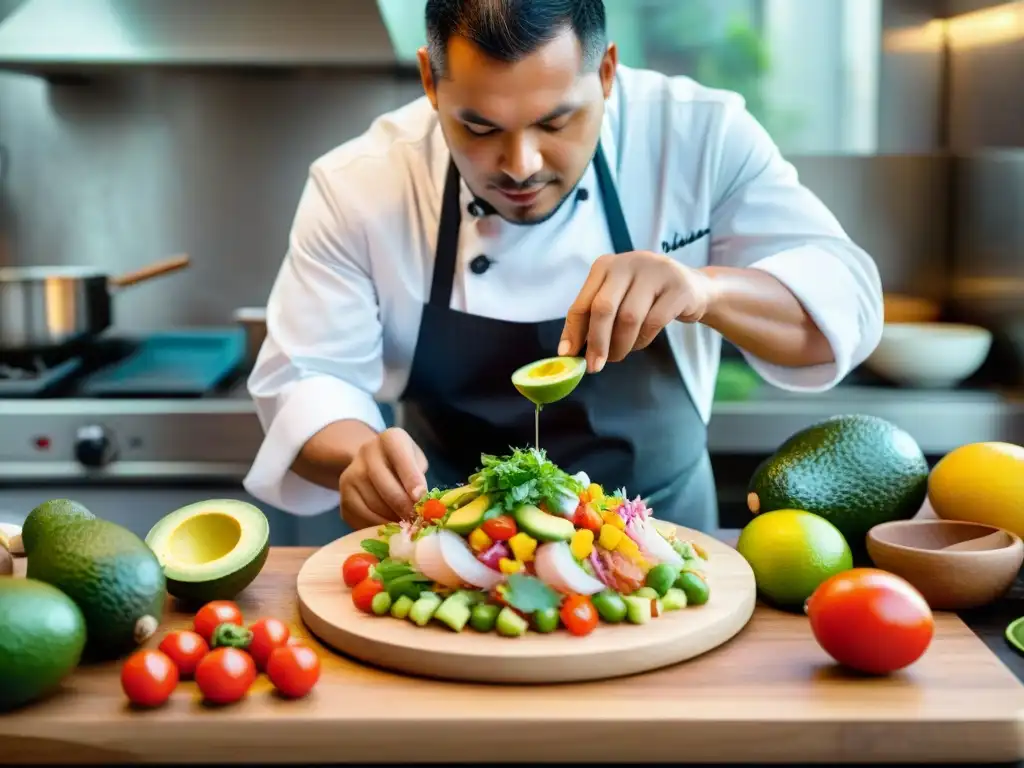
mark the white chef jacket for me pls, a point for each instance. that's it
(344, 312)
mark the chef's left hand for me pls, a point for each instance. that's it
(627, 299)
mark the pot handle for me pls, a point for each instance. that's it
(173, 264)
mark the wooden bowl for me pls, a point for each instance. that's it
(955, 565)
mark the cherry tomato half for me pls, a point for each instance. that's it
(500, 528)
(586, 517)
(213, 614)
(185, 649)
(433, 509)
(363, 592)
(293, 669)
(357, 567)
(225, 675)
(870, 620)
(148, 678)
(578, 615)
(267, 634)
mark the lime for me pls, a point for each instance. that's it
(791, 552)
(549, 380)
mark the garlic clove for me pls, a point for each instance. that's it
(10, 539)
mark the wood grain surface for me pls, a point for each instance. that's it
(325, 605)
(768, 695)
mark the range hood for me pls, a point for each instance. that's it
(81, 36)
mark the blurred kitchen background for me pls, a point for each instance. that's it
(134, 130)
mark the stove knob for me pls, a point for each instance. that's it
(93, 447)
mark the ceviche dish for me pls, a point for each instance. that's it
(524, 547)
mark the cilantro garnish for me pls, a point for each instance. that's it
(525, 477)
(375, 547)
(528, 593)
(400, 578)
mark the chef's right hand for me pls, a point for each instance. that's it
(384, 481)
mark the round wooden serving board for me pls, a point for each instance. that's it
(325, 605)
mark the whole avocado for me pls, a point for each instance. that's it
(113, 577)
(49, 516)
(42, 639)
(855, 470)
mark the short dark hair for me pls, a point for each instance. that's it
(509, 30)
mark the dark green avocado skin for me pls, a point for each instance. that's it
(854, 470)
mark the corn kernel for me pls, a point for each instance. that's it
(479, 540)
(610, 536)
(523, 547)
(582, 543)
(613, 518)
(509, 566)
(628, 548)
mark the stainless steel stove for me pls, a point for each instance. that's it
(162, 406)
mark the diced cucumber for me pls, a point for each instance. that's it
(423, 609)
(647, 592)
(483, 616)
(381, 603)
(511, 624)
(401, 607)
(638, 609)
(454, 612)
(545, 620)
(674, 599)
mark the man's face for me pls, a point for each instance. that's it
(522, 133)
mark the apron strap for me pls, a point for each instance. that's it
(447, 251)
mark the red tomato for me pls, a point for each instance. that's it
(225, 675)
(357, 567)
(185, 649)
(294, 670)
(433, 509)
(578, 614)
(148, 678)
(500, 528)
(363, 592)
(870, 620)
(213, 614)
(267, 634)
(585, 517)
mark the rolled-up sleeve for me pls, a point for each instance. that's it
(322, 358)
(764, 218)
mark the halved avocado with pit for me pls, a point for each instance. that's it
(211, 550)
(549, 380)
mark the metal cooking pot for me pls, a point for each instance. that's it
(43, 308)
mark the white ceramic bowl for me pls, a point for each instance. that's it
(929, 355)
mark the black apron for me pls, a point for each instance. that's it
(632, 426)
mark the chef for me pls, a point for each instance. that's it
(542, 199)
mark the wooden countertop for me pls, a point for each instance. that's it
(770, 695)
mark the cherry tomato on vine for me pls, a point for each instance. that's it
(213, 614)
(185, 649)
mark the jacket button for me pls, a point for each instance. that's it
(480, 264)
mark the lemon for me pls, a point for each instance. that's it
(791, 552)
(981, 483)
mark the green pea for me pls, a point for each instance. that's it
(661, 577)
(695, 588)
(610, 606)
(546, 620)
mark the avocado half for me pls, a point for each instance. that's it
(549, 380)
(211, 550)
